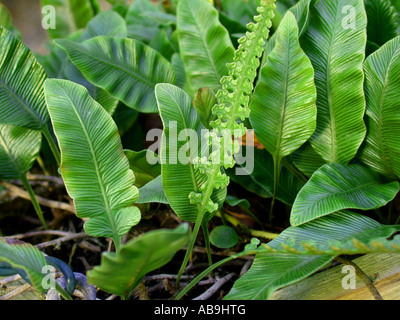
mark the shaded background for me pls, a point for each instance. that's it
(27, 18)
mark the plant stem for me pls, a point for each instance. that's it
(52, 144)
(189, 249)
(364, 277)
(277, 165)
(199, 220)
(209, 270)
(62, 292)
(206, 235)
(42, 166)
(34, 200)
(201, 276)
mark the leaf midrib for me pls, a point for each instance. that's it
(385, 83)
(214, 67)
(117, 66)
(97, 169)
(352, 190)
(192, 170)
(22, 103)
(284, 273)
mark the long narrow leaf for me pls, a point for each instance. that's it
(335, 43)
(69, 16)
(271, 271)
(205, 45)
(180, 178)
(19, 148)
(121, 272)
(93, 164)
(381, 151)
(127, 69)
(283, 110)
(22, 100)
(335, 187)
(23, 256)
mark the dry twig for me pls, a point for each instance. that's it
(44, 202)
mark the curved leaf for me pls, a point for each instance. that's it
(242, 11)
(162, 44)
(93, 165)
(307, 160)
(22, 100)
(224, 237)
(139, 26)
(335, 187)
(127, 69)
(70, 16)
(144, 172)
(283, 110)
(382, 21)
(153, 191)
(23, 256)
(381, 151)
(19, 147)
(271, 271)
(260, 178)
(335, 43)
(121, 272)
(205, 45)
(106, 23)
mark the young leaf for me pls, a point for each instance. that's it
(271, 271)
(22, 100)
(205, 45)
(93, 165)
(127, 69)
(69, 15)
(119, 273)
(19, 148)
(381, 151)
(204, 101)
(335, 187)
(224, 237)
(335, 43)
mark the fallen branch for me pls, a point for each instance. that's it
(42, 177)
(39, 233)
(57, 242)
(44, 202)
(215, 287)
(16, 292)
